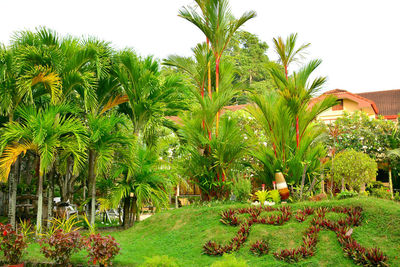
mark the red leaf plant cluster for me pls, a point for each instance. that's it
(12, 244)
(61, 245)
(229, 217)
(260, 248)
(101, 249)
(342, 228)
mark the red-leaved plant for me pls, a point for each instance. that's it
(260, 248)
(12, 244)
(101, 249)
(61, 245)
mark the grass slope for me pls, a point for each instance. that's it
(181, 234)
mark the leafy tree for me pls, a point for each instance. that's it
(376, 137)
(354, 168)
(248, 53)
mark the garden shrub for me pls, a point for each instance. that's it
(12, 244)
(101, 249)
(381, 192)
(229, 260)
(61, 245)
(354, 168)
(346, 194)
(397, 196)
(274, 196)
(241, 188)
(160, 261)
(261, 196)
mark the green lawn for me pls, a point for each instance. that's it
(181, 233)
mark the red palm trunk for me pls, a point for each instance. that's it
(217, 88)
(297, 132)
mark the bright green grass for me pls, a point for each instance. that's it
(181, 234)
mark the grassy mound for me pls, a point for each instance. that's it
(181, 233)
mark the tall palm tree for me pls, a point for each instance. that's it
(288, 53)
(104, 140)
(25, 74)
(219, 25)
(46, 132)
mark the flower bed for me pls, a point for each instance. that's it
(342, 227)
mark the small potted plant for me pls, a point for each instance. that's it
(12, 245)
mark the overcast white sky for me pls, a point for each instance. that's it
(358, 40)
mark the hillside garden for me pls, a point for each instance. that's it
(91, 137)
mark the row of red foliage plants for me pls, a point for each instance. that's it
(342, 227)
(59, 246)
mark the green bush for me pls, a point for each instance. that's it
(353, 168)
(160, 261)
(274, 196)
(346, 194)
(241, 188)
(381, 192)
(261, 196)
(397, 196)
(229, 260)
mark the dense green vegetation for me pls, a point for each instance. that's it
(111, 131)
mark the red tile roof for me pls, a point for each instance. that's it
(343, 94)
(388, 101)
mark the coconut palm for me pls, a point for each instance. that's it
(46, 132)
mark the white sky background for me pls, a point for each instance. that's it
(358, 40)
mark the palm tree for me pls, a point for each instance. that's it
(149, 98)
(104, 138)
(288, 53)
(276, 111)
(219, 25)
(46, 132)
(141, 179)
(21, 82)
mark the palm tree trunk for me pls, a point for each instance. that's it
(303, 179)
(50, 198)
(390, 181)
(40, 205)
(12, 185)
(126, 220)
(92, 184)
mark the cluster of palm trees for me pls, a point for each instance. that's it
(88, 118)
(74, 108)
